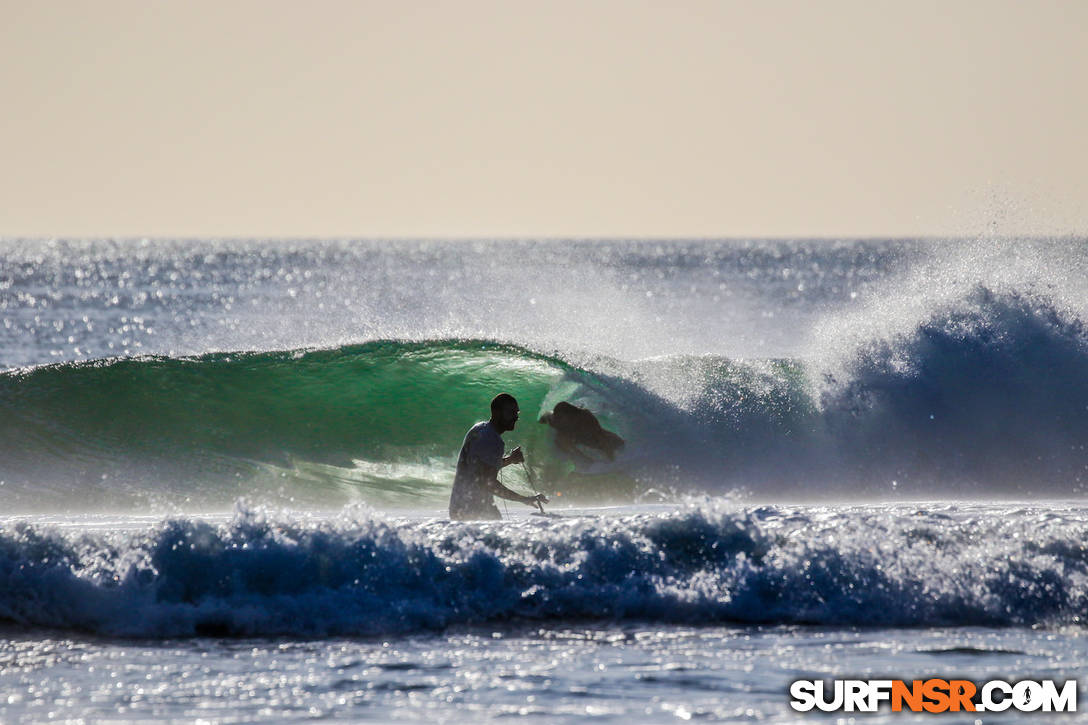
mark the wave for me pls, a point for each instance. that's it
(992, 392)
(375, 417)
(987, 396)
(261, 574)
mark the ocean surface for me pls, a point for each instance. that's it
(224, 468)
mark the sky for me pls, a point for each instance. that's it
(531, 118)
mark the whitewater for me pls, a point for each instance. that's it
(224, 468)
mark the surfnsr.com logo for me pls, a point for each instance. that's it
(934, 695)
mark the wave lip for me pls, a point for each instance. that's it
(360, 574)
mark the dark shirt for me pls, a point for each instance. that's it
(477, 466)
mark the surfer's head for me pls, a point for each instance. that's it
(504, 412)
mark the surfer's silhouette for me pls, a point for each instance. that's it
(478, 465)
(575, 426)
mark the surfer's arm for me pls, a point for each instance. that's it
(502, 491)
(516, 456)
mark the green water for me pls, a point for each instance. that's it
(380, 421)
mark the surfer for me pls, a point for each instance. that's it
(575, 426)
(477, 477)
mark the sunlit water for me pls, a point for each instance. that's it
(224, 470)
(603, 673)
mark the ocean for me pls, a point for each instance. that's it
(225, 466)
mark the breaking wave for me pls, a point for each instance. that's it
(262, 574)
(987, 396)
